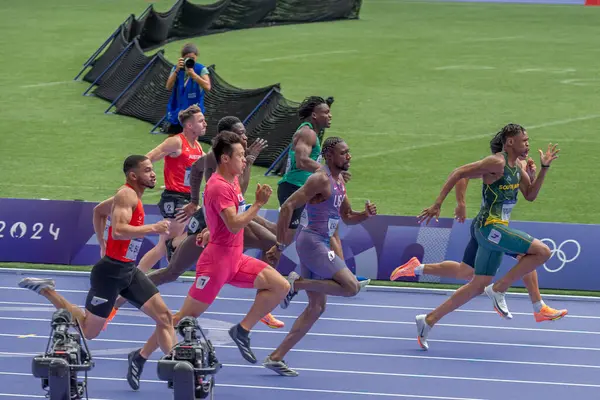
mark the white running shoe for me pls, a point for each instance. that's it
(37, 284)
(498, 301)
(422, 331)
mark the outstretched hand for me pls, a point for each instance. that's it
(550, 155)
(255, 148)
(429, 213)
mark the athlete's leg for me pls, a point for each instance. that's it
(486, 265)
(91, 325)
(210, 278)
(137, 359)
(257, 236)
(303, 324)
(272, 289)
(184, 257)
(315, 255)
(511, 241)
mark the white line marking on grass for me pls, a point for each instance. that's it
(469, 138)
(305, 55)
(547, 70)
(491, 39)
(581, 82)
(47, 84)
(464, 67)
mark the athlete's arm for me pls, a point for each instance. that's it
(315, 184)
(101, 213)
(196, 176)
(271, 227)
(169, 146)
(460, 212)
(124, 203)
(531, 190)
(236, 222)
(307, 139)
(351, 217)
(489, 165)
(210, 166)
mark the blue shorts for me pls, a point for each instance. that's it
(317, 260)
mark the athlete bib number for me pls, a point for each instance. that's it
(332, 225)
(507, 209)
(186, 178)
(134, 248)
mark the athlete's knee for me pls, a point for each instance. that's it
(351, 288)
(540, 249)
(272, 280)
(478, 283)
(315, 311)
(466, 272)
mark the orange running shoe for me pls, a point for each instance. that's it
(549, 314)
(110, 318)
(407, 269)
(272, 322)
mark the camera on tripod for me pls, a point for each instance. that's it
(189, 62)
(64, 358)
(190, 367)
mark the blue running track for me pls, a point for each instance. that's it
(362, 346)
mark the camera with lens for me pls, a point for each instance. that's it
(189, 62)
(192, 363)
(66, 355)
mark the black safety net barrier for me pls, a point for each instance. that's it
(224, 99)
(122, 72)
(147, 98)
(275, 121)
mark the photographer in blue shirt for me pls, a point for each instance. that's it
(188, 81)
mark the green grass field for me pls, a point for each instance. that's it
(420, 88)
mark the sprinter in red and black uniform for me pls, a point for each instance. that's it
(179, 152)
(115, 274)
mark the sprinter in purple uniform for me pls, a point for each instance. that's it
(323, 272)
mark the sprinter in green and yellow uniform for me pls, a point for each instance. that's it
(503, 177)
(304, 156)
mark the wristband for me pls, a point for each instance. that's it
(280, 247)
(545, 166)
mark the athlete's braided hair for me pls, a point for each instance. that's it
(330, 144)
(308, 106)
(508, 131)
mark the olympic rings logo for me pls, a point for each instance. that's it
(560, 253)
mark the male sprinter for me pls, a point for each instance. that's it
(116, 273)
(464, 270)
(223, 260)
(256, 235)
(323, 272)
(503, 176)
(304, 158)
(179, 152)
